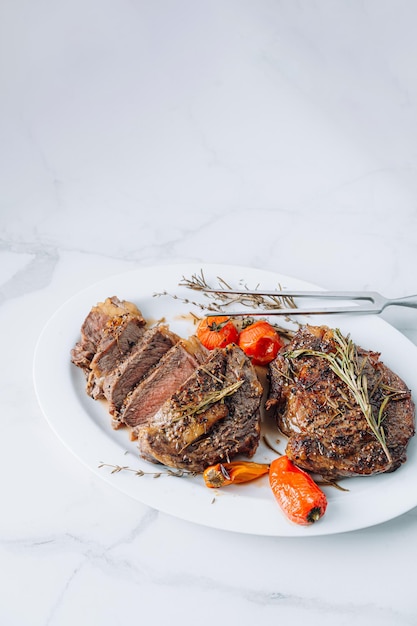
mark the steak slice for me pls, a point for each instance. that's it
(212, 417)
(94, 325)
(144, 356)
(119, 336)
(328, 432)
(172, 370)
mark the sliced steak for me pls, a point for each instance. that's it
(120, 335)
(94, 325)
(328, 432)
(212, 417)
(147, 353)
(173, 369)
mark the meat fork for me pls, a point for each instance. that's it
(361, 302)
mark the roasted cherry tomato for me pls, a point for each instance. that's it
(260, 341)
(217, 332)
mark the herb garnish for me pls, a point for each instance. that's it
(198, 282)
(218, 302)
(178, 473)
(209, 399)
(344, 362)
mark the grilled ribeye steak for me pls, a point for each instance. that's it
(328, 432)
(173, 369)
(211, 418)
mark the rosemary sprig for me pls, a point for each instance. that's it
(345, 364)
(210, 398)
(396, 394)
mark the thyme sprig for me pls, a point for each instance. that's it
(198, 282)
(216, 301)
(178, 473)
(344, 362)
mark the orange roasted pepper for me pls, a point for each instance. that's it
(223, 474)
(299, 497)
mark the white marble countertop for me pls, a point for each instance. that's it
(277, 135)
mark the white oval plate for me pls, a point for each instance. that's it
(83, 424)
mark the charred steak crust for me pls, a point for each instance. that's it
(224, 428)
(328, 433)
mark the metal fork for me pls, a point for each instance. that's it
(361, 302)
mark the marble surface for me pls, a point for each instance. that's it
(279, 135)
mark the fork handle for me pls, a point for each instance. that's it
(409, 301)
